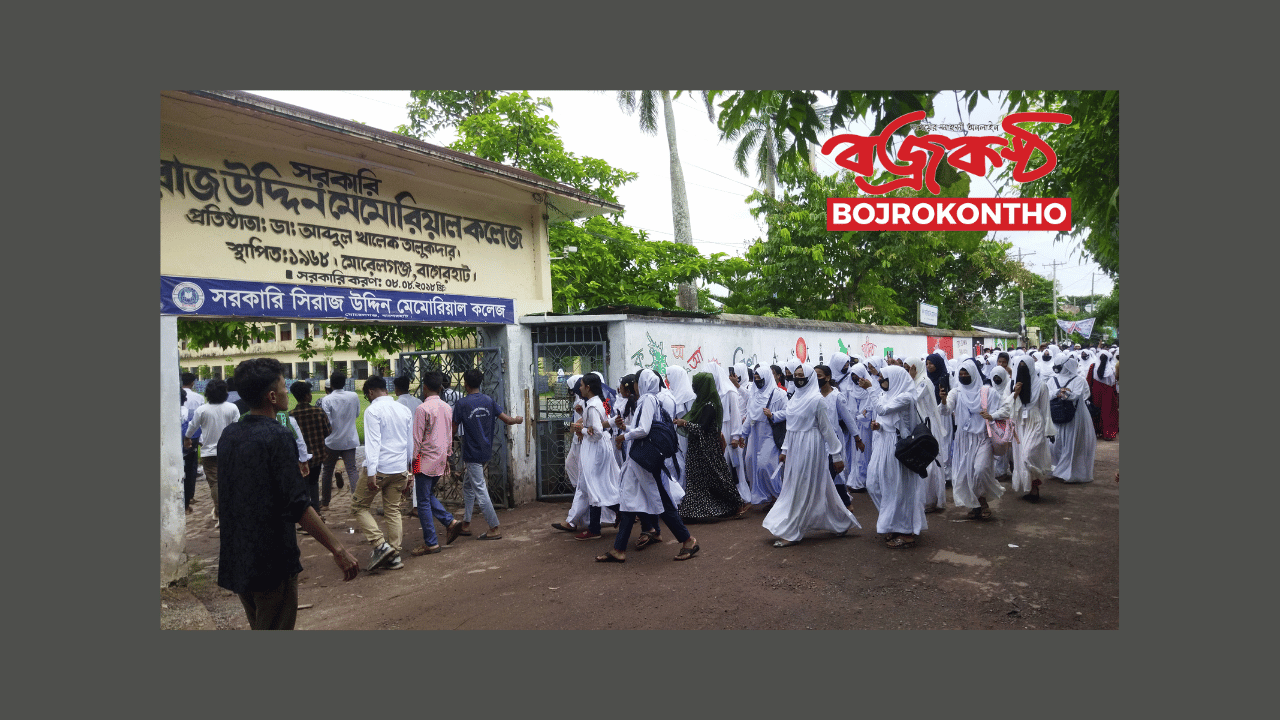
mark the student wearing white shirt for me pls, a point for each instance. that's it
(210, 420)
(387, 426)
(404, 398)
(343, 407)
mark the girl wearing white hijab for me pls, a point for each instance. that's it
(735, 407)
(793, 362)
(1075, 443)
(808, 500)
(683, 395)
(641, 491)
(998, 406)
(577, 516)
(860, 398)
(839, 367)
(973, 478)
(935, 485)
(600, 478)
(1106, 393)
(1032, 459)
(757, 434)
(897, 492)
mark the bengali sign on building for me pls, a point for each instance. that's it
(203, 297)
(247, 198)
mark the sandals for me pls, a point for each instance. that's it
(587, 535)
(565, 527)
(785, 543)
(424, 550)
(647, 539)
(686, 553)
(610, 557)
(985, 514)
(975, 513)
(902, 541)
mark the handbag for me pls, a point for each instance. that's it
(651, 452)
(1061, 410)
(1000, 431)
(918, 449)
(779, 427)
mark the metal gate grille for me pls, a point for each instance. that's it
(453, 363)
(559, 353)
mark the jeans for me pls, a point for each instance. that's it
(189, 462)
(313, 486)
(429, 506)
(348, 458)
(669, 516)
(474, 490)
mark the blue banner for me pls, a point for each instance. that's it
(203, 297)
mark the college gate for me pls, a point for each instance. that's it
(560, 352)
(459, 356)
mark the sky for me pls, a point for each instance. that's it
(592, 124)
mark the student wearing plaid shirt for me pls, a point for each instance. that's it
(314, 425)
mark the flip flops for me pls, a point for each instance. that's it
(609, 557)
(686, 553)
(647, 539)
(487, 536)
(565, 527)
(454, 531)
(424, 550)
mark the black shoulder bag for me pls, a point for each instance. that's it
(918, 449)
(1061, 410)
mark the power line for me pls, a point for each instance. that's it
(753, 187)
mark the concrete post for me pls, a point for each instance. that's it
(173, 517)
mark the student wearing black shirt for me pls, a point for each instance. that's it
(261, 496)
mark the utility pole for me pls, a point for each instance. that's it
(1055, 265)
(1022, 312)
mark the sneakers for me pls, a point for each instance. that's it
(381, 554)
(396, 563)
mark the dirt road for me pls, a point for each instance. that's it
(1051, 565)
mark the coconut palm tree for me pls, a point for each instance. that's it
(646, 101)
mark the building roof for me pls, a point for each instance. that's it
(570, 203)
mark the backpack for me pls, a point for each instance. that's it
(1000, 431)
(651, 452)
(1061, 410)
(918, 449)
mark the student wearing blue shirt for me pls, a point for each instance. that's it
(475, 413)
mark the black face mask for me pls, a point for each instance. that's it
(965, 380)
(997, 380)
(800, 381)
(1047, 357)
(1058, 368)
(823, 382)
(759, 381)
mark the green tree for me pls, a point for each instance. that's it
(1088, 171)
(760, 134)
(646, 102)
(795, 114)
(869, 276)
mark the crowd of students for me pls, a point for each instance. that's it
(797, 439)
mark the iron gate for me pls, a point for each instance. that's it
(560, 352)
(453, 363)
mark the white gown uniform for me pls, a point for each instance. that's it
(1032, 458)
(808, 500)
(1075, 444)
(897, 492)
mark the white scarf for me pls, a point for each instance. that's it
(969, 400)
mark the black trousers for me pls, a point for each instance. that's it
(626, 520)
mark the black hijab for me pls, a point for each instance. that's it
(935, 376)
